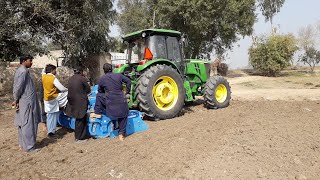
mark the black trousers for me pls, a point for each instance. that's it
(122, 125)
(80, 128)
(100, 106)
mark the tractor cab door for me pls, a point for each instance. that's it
(174, 52)
(166, 47)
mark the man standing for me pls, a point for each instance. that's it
(78, 102)
(55, 96)
(26, 104)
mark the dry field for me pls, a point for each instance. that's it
(271, 130)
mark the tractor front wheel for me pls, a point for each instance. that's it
(160, 92)
(217, 93)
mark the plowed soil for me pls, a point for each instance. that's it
(254, 138)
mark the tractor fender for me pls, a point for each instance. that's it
(155, 62)
(120, 69)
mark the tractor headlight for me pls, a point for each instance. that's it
(144, 34)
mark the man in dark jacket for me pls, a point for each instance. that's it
(78, 102)
(111, 99)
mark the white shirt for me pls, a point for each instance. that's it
(53, 105)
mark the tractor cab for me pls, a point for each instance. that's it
(154, 44)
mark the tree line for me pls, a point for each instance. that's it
(80, 28)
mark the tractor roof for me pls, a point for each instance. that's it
(138, 34)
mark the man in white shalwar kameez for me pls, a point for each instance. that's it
(55, 97)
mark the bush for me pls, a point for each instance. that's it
(272, 54)
(222, 69)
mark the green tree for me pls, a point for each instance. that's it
(83, 27)
(116, 45)
(80, 28)
(270, 8)
(134, 15)
(272, 54)
(311, 57)
(23, 28)
(209, 25)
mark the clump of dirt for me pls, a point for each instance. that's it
(308, 84)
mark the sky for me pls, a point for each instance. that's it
(293, 15)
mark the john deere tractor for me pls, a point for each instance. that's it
(163, 80)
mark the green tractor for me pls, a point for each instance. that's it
(163, 80)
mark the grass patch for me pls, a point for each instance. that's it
(294, 74)
(251, 84)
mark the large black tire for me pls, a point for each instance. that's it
(212, 100)
(146, 99)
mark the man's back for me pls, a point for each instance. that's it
(77, 88)
(77, 96)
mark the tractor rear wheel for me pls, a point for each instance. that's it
(217, 93)
(160, 92)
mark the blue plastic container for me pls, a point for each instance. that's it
(104, 126)
(66, 121)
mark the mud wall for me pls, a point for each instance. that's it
(7, 74)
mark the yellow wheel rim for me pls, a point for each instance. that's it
(221, 93)
(165, 93)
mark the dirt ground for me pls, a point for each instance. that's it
(271, 130)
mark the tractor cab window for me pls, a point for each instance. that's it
(157, 45)
(163, 47)
(173, 47)
(136, 50)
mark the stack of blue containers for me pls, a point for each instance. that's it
(104, 126)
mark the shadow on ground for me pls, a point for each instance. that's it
(60, 133)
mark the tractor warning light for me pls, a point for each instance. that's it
(118, 65)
